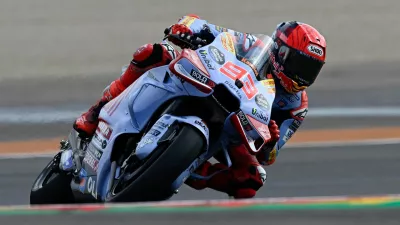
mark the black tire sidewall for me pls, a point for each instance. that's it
(154, 184)
(57, 191)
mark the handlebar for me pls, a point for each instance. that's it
(191, 41)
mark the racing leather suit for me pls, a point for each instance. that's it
(246, 175)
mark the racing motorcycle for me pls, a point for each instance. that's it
(154, 135)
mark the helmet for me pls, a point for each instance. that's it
(296, 55)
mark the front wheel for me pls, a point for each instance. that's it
(51, 186)
(154, 178)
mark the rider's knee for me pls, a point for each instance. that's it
(261, 174)
(257, 177)
(249, 187)
(245, 193)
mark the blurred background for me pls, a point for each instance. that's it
(56, 57)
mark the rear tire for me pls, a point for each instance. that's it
(57, 190)
(154, 183)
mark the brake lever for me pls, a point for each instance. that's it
(192, 43)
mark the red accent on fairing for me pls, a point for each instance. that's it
(104, 128)
(193, 58)
(236, 123)
(235, 72)
(262, 129)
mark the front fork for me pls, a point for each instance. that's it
(159, 132)
(72, 152)
(219, 145)
(226, 139)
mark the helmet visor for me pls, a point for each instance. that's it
(301, 67)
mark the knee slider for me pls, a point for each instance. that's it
(262, 174)
(256, 177)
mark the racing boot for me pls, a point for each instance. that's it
(242, 180)
(145, 58)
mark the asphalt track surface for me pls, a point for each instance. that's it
(329, 171)
(303, 217)
(61, 54)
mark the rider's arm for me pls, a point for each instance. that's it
(289, 118)
(207, 30)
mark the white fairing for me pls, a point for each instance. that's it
(149, 142)
(124, 114)
(130, 112)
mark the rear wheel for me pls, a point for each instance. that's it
(152, 181)
(51, 186)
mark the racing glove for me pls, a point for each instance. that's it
(186, 36)
(268, 154)
(274, 131)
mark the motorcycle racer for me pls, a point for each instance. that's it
(294, 62)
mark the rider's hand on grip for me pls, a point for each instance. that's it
(274, 131)
(268, 154)
(183, 37)
(179, 34)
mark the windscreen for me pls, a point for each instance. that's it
(254, 54)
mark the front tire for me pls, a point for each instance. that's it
(162, 168)
(52, 187)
